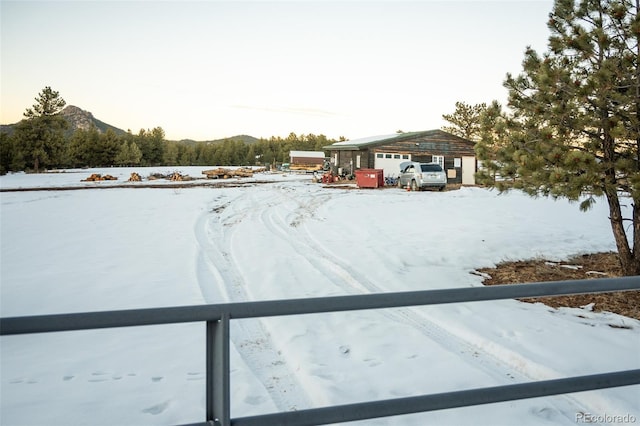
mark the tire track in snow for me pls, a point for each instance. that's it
(220, 281)
(517, 368)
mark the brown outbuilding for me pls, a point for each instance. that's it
(306, 160)
(456, 155)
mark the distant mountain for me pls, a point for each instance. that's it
(246, 139)
(81, 119)
(77, 119)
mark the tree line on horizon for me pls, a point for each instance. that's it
(41, 142)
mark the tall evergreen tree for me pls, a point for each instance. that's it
(6, 153)
(250, 158)
(128, 154)
(107, 148)
(171, 152)
(465, 120)
(80, 147)
(574, 131)
(48, 103)
(492, 138)
(40, 136)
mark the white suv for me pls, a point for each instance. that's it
(422, 175)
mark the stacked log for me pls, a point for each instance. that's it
(97, 177)
(306, 167)
(221, 173)
(218, 173)
(94, 177)
(135, 177)
(243, 172)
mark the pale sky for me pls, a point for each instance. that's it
(213, 69)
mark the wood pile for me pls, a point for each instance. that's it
(97, 177)
(306, 167)
(175, 177)
(221, 173)
(135, 177)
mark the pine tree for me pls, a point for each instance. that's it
(465, 120)
(80, 147)
(135, 155)
(128, 154)
(250, 158)
(6, 153)
(490, 146)
(40, 137)
(574, 131)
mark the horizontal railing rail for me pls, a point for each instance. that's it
(243, 310)
(218, 316)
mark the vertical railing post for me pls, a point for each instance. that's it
(218, 386)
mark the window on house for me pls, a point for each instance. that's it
(387, 156)
(405, 156)
(379, 155)
(438, 159)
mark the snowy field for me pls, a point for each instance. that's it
(125, 248)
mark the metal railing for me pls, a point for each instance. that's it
(218, 317)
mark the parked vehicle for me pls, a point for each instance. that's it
(422, 175)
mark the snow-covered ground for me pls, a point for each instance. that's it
(124, 248)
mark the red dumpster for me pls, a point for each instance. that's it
(370, 178)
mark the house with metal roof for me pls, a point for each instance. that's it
(456, 155)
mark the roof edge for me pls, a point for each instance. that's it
(366, 142)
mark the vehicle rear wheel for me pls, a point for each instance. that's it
(414, 185)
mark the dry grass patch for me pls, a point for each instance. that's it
(588, 266)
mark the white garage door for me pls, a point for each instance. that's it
(390, 163)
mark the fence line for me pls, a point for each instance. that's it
(218, 316)
(214, 312)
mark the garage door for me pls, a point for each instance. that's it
(390, 162)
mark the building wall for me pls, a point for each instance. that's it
(440, 143)
(423, 149)
(346, 162)
(306, 160)
(420, 148)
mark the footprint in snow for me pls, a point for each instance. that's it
(98, 377)
(344, 350)
(195, 376)
(156, 409)
(254, 400)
